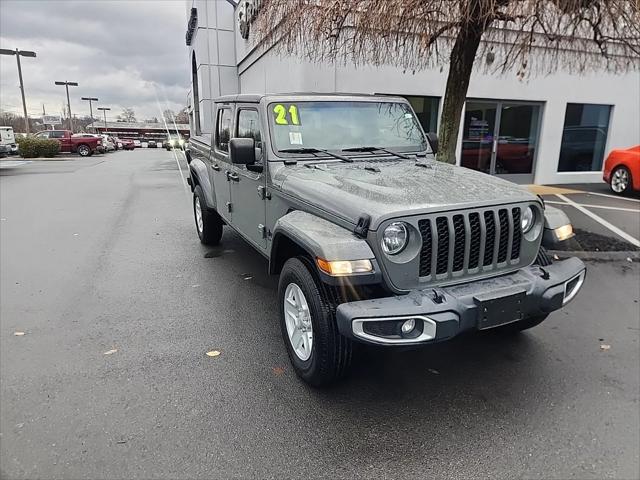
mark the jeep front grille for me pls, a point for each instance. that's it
(469, 242)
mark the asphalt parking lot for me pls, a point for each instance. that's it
(593, 208)
(118, 302)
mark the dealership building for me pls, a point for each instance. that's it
(547, 129)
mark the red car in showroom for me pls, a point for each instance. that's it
(622, 170)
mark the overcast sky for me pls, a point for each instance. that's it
(126, 53)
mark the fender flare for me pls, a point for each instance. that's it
(318, 238)
(553, 218)
(200, 176)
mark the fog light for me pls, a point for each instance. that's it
(408, 326)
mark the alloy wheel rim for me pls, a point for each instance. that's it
(198, 209)
(297, 319)
(620, 181)
(83, 150)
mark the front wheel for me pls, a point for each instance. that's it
(319, 354)
(84, 150)
(208, 223)
(620, 180)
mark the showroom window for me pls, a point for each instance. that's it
(196, 94)
(426, 109)
(584, 137)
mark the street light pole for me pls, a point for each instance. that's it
(90, 99)
(67, 85)
(104, 110)
(18, 54)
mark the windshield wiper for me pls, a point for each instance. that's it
(376, 149)
(316, 150)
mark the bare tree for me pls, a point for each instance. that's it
(182, 116)
(168, 115)
(127, 115)
(521, 36)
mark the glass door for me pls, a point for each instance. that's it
(501, 138)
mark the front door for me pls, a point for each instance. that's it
(501, 138)
(248, 185)
(219, 164)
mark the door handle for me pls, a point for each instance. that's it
(216, 167)
(232, 176)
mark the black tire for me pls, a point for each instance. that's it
(210, 232)
(624, 171)
(331, 352)
(83, 150)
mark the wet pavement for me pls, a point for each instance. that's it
(119, 303)
(594, 208)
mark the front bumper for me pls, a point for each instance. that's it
(443, 313)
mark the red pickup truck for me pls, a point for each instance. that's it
(85, 146)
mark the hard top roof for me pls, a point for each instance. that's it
(256, 98)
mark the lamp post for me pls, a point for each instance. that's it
(104, 110)
(67, 85)
(18, 54)
(90, 99)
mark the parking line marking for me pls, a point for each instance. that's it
(601, 221)
(614, 196)
(605, 207)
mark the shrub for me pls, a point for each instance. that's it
(50, 148)
(32, 147)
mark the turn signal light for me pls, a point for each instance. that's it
(338, 268)
(564, 232)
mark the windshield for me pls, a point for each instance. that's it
(338, 125)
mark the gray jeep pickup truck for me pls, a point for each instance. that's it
(374, 240)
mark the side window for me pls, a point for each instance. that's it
(43, 135)
(223, 129)
(249, 127)
(56, 134)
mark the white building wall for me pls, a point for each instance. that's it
(268, 72)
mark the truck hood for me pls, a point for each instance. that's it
(388, 189)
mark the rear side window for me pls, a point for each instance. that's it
(223, 129)
(56, 134)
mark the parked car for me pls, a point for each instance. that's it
(127, 144)
(137, 144)
(151, 144)
(101, 147)
(174, 140)
(622, 170)
(109, 146)
(8, 145)
(84, 146)
(374, 241)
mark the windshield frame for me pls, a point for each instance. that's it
(355, 155)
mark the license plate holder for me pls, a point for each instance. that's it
(500, 308)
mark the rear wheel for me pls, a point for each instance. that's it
(208, 223)
(620, 180)
(84, 150)
(319, 354)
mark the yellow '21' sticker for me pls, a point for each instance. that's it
(280, 114)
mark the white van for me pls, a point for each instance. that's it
(7, 141)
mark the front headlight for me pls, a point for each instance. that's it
(394, 238)
(528, 219)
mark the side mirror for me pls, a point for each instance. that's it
(242, 151)
(433, 141)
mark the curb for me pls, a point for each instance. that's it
(634, 255)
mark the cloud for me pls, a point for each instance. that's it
(127, 54)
